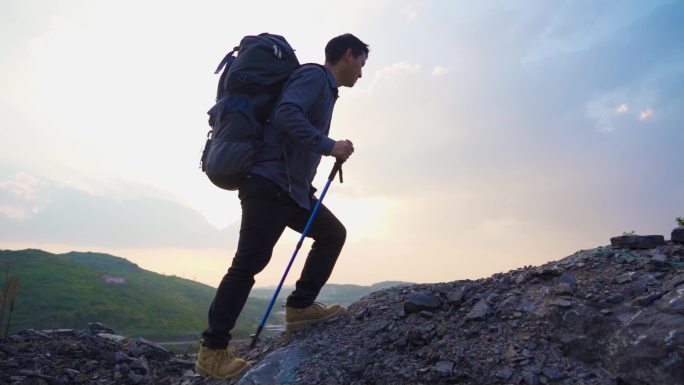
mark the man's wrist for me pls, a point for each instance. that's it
(327, 145)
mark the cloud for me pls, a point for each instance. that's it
(23, 185)
(392, 74)
(397, 69)
(439, 71)
(12, 212)
(38, 211)
(409, 12)
(606, 117)
(601, 112)
(556, 29)
(21, 197)
(646, 114)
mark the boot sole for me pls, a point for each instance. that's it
(299, 325)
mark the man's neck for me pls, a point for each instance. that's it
(335, 72)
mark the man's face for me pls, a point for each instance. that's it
(354, 67)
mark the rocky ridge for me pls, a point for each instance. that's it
(601, 316)
(610, 315)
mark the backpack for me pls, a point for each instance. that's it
(246, 94)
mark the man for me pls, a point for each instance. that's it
(278, 194)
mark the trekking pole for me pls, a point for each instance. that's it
(337, 167)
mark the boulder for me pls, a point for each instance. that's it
(678, 234)
(637, 241)
(420, 301)
(278, 367)
(646, 351)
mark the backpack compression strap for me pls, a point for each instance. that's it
(225, 60)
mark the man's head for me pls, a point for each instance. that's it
(345, 55)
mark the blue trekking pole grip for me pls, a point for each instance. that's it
(336, 168)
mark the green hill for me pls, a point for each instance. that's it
(70, 290)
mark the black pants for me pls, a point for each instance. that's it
(266, 211)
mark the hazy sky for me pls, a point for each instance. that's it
(489, 135)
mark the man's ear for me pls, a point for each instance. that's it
(349, 55)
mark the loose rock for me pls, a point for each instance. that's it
(479, 312)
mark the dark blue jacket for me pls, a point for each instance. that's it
(300, 123)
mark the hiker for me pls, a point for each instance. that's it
(278, 193)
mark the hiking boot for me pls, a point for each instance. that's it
(296, 319)
(219, 363)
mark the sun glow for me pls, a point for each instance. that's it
(365, 218)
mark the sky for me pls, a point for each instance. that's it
(489, 135)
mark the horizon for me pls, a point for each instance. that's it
(488, 136)
(193, 279)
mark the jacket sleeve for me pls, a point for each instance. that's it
(290, 116)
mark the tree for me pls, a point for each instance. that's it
(9, 294)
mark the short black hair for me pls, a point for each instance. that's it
(337, 46)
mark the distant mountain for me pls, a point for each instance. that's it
(73, 289)
(331, 293)
(70, 290)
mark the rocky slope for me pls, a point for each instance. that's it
(609, 315)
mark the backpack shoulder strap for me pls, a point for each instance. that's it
(322, 68)
(309, 65)
(312, 65)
